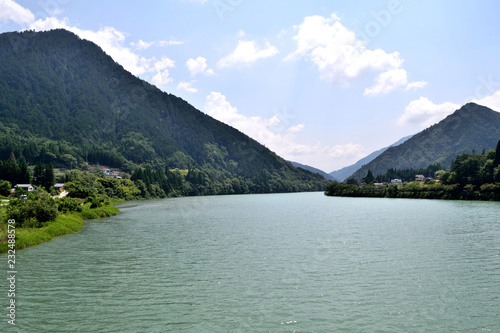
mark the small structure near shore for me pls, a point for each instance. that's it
(26, 187)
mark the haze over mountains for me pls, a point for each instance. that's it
(63, 100)
(344, 173)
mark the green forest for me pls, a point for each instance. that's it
(64, 101)
(471, 177)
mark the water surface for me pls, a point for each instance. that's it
(297, 262)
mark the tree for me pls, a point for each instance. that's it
(496, 162)
(352, 181)
(12, 157)
(24, 174)
(33, 211)
(5, 187)
(38, 174)
(369, 179)
(48, 179)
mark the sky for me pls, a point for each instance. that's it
(319, 82)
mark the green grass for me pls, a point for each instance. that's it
(64, 224)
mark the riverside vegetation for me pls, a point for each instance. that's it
(471, 177)
(41, 215)
(65, 104)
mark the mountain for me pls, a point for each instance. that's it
(344, 173)
(471, 128)
(63, 100)
(312, 169)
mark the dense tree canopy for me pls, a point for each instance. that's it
(64, 101)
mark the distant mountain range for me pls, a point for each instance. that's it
(312, 169)
(344, 173)
(63, 100)
(471, 128)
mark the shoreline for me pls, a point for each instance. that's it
(64, 224)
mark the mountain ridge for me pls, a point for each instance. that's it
(67, 92)
(313, 169)
(344, 173)
(472, 127)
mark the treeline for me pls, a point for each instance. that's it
(12, 173)
(407, 175)
(471, 177)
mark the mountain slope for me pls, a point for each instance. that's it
(344, 173)
(68, 93)
(472, 127)
(312, 169)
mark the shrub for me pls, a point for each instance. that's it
(68, 204)
(33, 211)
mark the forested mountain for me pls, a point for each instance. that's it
(472, 128)
(343, 173)
(312, 169)
(63, 100)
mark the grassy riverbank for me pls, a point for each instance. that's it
(64, 224)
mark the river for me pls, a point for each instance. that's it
(299, 262)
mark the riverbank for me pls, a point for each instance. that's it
(414, 190)
(64, 224)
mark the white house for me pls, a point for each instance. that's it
(26, 187)
(58, 186)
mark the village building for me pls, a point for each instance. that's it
(58, 186)
(419, 178)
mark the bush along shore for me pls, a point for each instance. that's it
(471, 177)
(63, 224)
(33, 214)
(23, 224)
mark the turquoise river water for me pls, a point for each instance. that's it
(300, 262)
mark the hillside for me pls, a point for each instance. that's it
(471, 128)
(312, 169)
(63, 100)
(344, 173)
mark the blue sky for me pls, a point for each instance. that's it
(323, 83)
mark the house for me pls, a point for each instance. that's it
(419, 178)
(107, 172)
(58, 186)
(378, 184)
(110, 173)
(26, 187)
(396, 182)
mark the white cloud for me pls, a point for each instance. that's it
(416, 85)
(247, 52)
(341, 57)
(275, 134)
(170, 42)
(142, 45)
(161, 78)
(163, 64)
(424, 113)
(11, 11)
(187, 86)
(198, 66)
(492, 101)
(387, 82)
